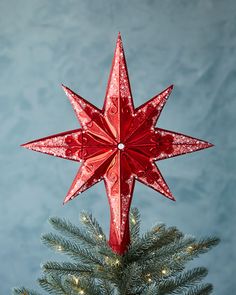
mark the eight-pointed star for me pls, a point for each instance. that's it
(118, 144)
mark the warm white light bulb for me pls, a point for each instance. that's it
(84, 218)
(117, 262)
(164, 271)
(133, 220)
(59, 248)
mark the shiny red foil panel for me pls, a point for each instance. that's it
(119, 145)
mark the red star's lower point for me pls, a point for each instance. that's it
(118, 144)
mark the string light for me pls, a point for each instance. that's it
(177, 257)
(133, 220)
(76, 280)
(148, 276)
(107, 260)
(59, 248)
(100, 236)
(190, 249)
(84, 218)
(117, 262)
(110, 261)
(164, 271)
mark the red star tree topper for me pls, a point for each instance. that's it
(118, 144)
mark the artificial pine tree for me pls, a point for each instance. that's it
(155, 263)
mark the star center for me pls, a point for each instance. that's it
(121, 146)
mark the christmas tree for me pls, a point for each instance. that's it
(155, 263)
(120, 145)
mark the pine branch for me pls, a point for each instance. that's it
(53, 285)
(67, 268)
(134, 224)
(175, 255)
(24, 291)
(153, 240)
(65, 246)
(84, 286)
(197, 248)
(151, 290)
(126, 279)
(68, 229)
(93, 228)
(172, 258)
(167, 252)
(106, 251)
(204, 245)
(182, 281)
(106, 287)
(204, 289)
(166, 258)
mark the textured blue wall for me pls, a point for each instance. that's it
(43, 43)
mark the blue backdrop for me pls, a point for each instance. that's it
(44, 43)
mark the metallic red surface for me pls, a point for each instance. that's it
(118, 144)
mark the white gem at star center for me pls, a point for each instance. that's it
(120, 146)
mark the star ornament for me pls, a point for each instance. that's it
(119, 145)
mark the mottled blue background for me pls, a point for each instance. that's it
(44, 43)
